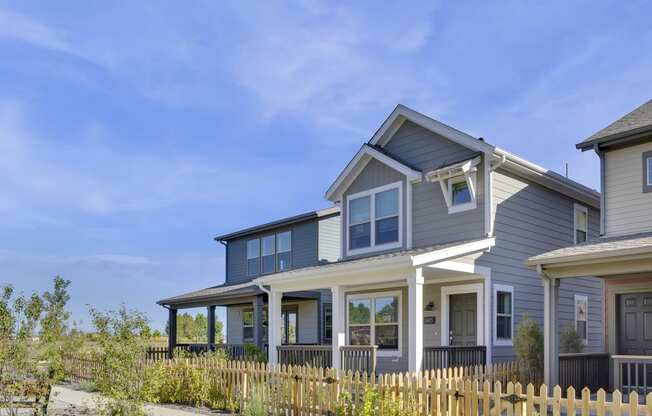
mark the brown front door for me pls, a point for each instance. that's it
(635, 324)
(462, 319)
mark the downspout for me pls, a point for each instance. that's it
(603, 190)
(489, 185)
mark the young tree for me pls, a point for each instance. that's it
(569, 340)
(529, 348)
(54, 339)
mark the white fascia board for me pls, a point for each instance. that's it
(456, 169)
(363, 156)
(549, 179)
(605, 256)
(402, 113)
(335, 269)
(437, 256)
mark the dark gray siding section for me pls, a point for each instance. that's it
(431, 222)
(530, 220)
(329, 239)
(304, 250)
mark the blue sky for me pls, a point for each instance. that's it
(132, 133)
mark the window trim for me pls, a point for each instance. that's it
(372, 321)
(578, 207)
(502, 342)
(586, 299)
(647, 172)
(372, 219)
(470, 180)
(259, 257)
(273, 236)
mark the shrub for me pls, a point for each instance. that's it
(529, 349)
(569, 340)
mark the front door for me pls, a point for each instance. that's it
(635, 324)
(463, 312)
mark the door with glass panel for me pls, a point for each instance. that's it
(289, 325)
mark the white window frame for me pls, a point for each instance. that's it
(371, 193)
(576, 208)
(502, 342)
(372, 319)
(470, 181)
(648, 176)
(584, 298)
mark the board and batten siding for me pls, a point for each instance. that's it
(329, 248)
(628, 208)
(529, 220)
(304, 250)
(431, 222)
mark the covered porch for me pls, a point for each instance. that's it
(246, 318)
(625, 266)
(404, 311)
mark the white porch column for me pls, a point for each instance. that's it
(339, 324)
(550, 322)
(415, 319)
(274, 322)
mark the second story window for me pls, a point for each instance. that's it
(581, 222)
(269, 252)
(374, 219)
(647, 172)
(283, 251)
(253, 257)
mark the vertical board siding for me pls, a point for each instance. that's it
(431, 222)
(234, 325)
(628, 209)
(529, 220)
(308, 322)
(304, 250)
(329, 239)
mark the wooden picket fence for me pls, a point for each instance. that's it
(490, 390)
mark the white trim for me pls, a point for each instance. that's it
(408, 220)
(496, 341)
(371, 193)
(372, 296)
(469, 179)
(440, 255)
(648, 174)
(487, 308)
(585, 298)
(415, 320)
(487, 180)
(359, 161)
(402, 113)
(577, 207)
(446, 291)
(453, 170)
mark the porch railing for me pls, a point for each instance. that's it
(454, 356)
(306, 354)
(632, 373)
(584, 370)
(234, 351)
(359, 358)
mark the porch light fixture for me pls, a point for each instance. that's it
(430, 307)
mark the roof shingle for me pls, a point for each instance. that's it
(638, 119)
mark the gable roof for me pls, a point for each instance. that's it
(630, 126)
(360, 160)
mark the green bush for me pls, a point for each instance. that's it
(569, 340)
(529, 349)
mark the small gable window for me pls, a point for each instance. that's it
(581, 223)
(374, 219)
(458, 184)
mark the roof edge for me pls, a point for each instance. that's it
(616, 138)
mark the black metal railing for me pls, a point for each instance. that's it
(454, 356)
(584, 370)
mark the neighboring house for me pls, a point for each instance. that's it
(423, 255)
(621, 256)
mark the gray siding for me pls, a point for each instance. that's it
(308, 323)
(234, 324)
(530, 220)
(431, 222)
(329, 239)
(304, 250)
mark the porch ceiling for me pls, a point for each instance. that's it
(600, 257)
